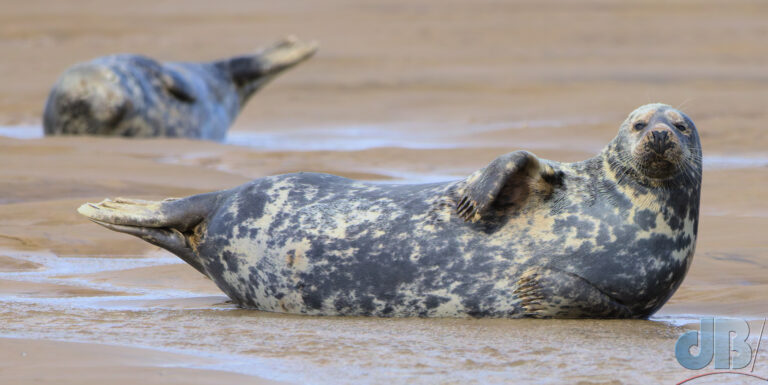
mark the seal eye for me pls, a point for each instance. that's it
(639, 126)
(681, 127)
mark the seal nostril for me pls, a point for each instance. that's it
(660, 141)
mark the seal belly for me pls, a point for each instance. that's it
(301, 243)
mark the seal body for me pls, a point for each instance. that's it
(136, 96)
(523, 237)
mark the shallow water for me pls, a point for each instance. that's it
(409, 136)
(404, 135)
(356, 137)
(22, 132)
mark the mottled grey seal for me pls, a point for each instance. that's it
(611, 236)
(136, 96)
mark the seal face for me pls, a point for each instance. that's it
(136, 96)
(609, 237)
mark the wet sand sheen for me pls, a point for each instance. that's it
(420, 351)
(63, 363)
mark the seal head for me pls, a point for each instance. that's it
(658, 144)
(89, 100)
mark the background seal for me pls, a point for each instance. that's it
(136, 96)
(609, 237)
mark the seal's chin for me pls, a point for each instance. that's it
(658, 166)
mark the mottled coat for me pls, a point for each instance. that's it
(523, 237)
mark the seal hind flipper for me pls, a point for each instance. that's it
(168, 238)
(514, 172)
(173, 224)
(251, 72)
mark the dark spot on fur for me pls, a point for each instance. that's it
(646, 219)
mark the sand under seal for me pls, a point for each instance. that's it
(400, 92)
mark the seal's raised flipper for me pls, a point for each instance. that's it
(171, 224)
(168, 76)
(251, 72)
(177, 86)
(515, 173)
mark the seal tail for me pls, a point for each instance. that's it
(173, 224)
(251, 72)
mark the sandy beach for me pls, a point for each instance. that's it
(400, 92)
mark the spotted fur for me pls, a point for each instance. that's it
(523, 237)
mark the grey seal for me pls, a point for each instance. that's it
(609, 237)
(136, 96)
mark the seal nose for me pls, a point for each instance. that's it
(660, 141)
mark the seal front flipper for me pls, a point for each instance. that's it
(251, 72)
(177, 86)
(173, 224)
(551, 293)
(514, 173)
(171, 81)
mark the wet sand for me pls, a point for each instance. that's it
(399, 93)
(47, 362)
